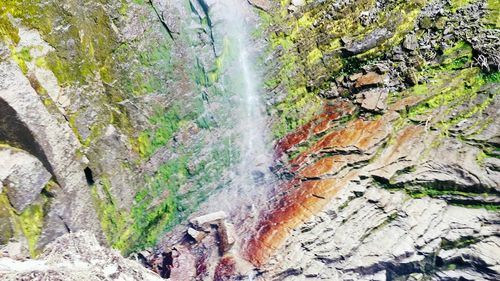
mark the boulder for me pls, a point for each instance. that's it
(204, 221)
(23, 177)
(226, 237)
(196, 235)
(372, 40)
(374, 99)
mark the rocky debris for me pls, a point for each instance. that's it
(373, 100)
(22, 176)
(203, 225)
(205, 251)
(75, 257)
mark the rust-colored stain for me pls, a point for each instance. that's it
(322, 167)
(293, 210)
(317, 125)
(314, 184)
(402, 139)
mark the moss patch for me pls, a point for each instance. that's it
(27, 224)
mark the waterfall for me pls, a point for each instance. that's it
(250, 177)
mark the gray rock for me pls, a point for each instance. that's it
(23, 176)
(196, 235)
(374, 99)
(298, 3)
(410, 43)
(47, 136)
(205, 220)
(373, 39)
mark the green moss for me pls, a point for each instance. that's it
(492, 19)
(447, 89)
(456, 57)
(31, 222)
(457, 4)
(165, 123)
(115, 223)
(8, 32)
(314, 56)
(28, 223)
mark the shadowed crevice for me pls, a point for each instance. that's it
(15, 133)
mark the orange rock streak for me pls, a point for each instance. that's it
(313, 187)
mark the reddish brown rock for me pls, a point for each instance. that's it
(369, 79)
(225, 269)
(315, 184)
(317, 125)
(183, 265)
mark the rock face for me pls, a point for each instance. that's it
(127, 108)
(23, 176)
(394, 176)
(75, 256)
(116, 117)
(375, 234)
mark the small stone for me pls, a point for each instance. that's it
(292, 9)
(411, 76)
(369, 79)
(374, 99)
(330, 93)
(196, 235)
(371, 40)
(426, 22)
(410, 43)
(441, 23)
(205, 220)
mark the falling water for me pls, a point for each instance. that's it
(250, 177)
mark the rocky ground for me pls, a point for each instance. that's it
(75, 256)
